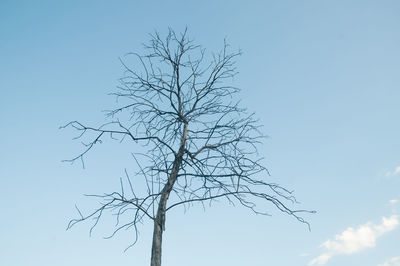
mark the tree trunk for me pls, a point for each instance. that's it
(159, 222)
(156, 248)
(159, 227)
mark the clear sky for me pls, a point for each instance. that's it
(323, 77)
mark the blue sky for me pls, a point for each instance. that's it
(322, 76)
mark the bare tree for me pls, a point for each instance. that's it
(200, 144)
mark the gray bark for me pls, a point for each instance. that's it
(159, 222)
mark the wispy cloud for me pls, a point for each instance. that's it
(353, 240)
(396, 171)
(393, 201)
(392, 262)
(394, 204)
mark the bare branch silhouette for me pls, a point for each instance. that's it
(201, 144)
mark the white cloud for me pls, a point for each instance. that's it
(392, 262)
(321, 259)
(396, 171)
(393, 201)
(353, 240)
